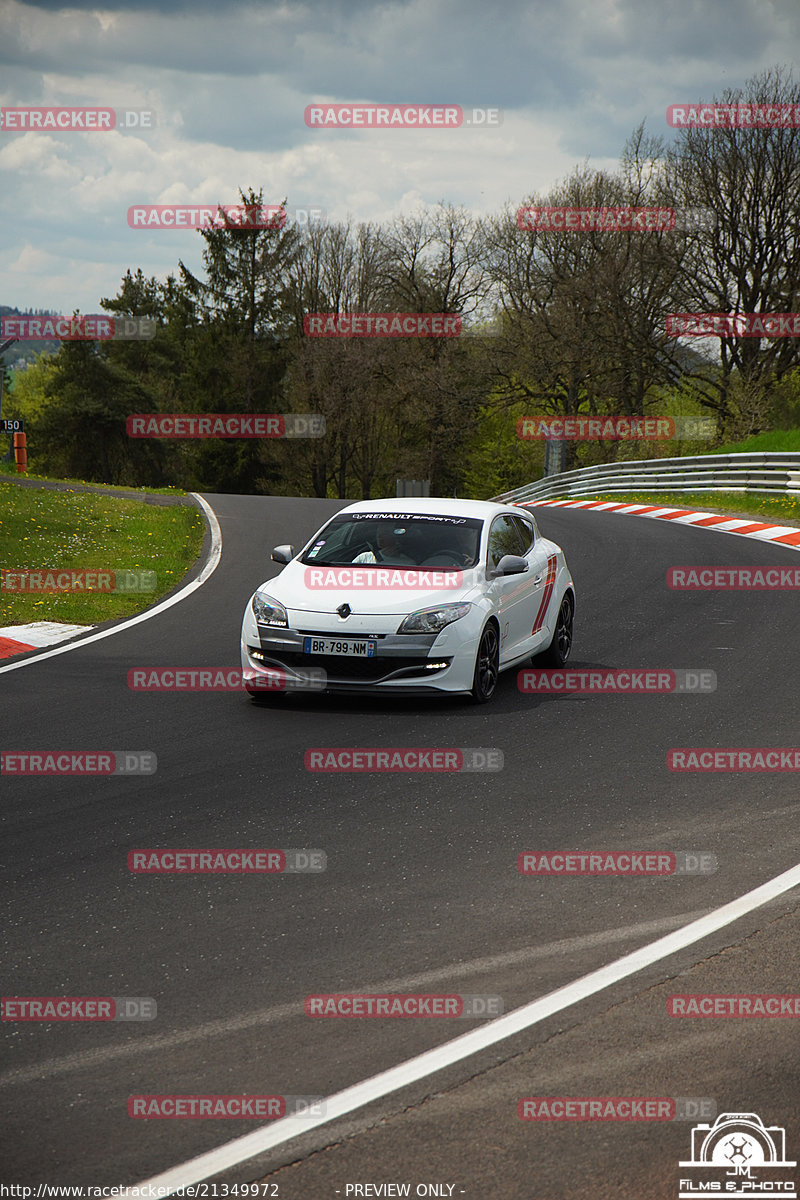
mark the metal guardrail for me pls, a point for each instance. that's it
(768, 473)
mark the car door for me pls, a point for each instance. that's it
(510, 593)
(543, 568)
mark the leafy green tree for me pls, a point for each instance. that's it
(80, 430)
(238, 359)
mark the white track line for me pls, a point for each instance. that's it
(210, 565)
(240, 1149)
(442, 978)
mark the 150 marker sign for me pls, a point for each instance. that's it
(11, 425)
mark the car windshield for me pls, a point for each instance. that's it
(397, 540)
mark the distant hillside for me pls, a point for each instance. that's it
(22, 353)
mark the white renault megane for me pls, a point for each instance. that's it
(411, 595)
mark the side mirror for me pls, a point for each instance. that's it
(283, 554)
(510, 564)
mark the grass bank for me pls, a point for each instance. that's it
(43, 529)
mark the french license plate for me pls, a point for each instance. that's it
(349, 647)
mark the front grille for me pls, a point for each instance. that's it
(363, 670)
(343, 633)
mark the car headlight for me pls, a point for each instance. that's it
(433, 620)
(269, 611)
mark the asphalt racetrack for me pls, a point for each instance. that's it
(421, 891)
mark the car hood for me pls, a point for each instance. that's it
(303, 588)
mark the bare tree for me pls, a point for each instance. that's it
(337, 271)
(747, 259)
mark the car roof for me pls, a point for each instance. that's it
(437, 505)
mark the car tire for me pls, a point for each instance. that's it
(557, 652)
(487, 666)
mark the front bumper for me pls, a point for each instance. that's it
(402, 663)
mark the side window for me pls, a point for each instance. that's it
(526, 532)
(504, 538)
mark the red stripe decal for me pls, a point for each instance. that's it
(546, 594)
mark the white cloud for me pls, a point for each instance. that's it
(229, 84)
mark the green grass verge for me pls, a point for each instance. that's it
(77, 530)
(785, 510)
(9, 468)
(774, 440)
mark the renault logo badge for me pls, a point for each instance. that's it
(344, 611)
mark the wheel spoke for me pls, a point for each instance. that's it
(564, 631)
(488, 666)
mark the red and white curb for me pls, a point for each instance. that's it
(19, 639)
(785, 535)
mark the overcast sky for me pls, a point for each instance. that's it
(230, 82)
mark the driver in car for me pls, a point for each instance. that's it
(463, 544)
(388, 550)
